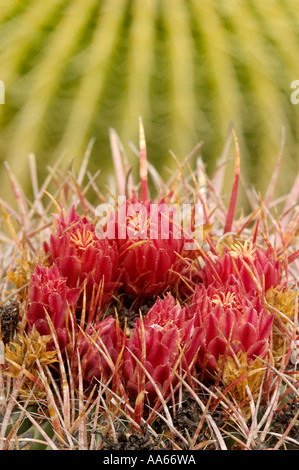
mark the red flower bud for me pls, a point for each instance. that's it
(48, 292)
(253, 267)
(81, 256)
(157, 342)
(151, 245)
(230, 322)
(100, 348)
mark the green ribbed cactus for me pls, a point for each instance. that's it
(74, 69)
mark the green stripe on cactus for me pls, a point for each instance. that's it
(72, 70)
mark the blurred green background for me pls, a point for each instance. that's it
(72, 69)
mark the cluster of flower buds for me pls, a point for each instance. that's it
(225, 315)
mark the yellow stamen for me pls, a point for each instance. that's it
(82, 239)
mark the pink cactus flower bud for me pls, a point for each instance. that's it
(231, 322)
(151, 247)
(100, 349)
(157, 342)
(256, 269)
(81, 256)
(48, 292)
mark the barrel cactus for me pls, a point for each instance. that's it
(188, 68)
